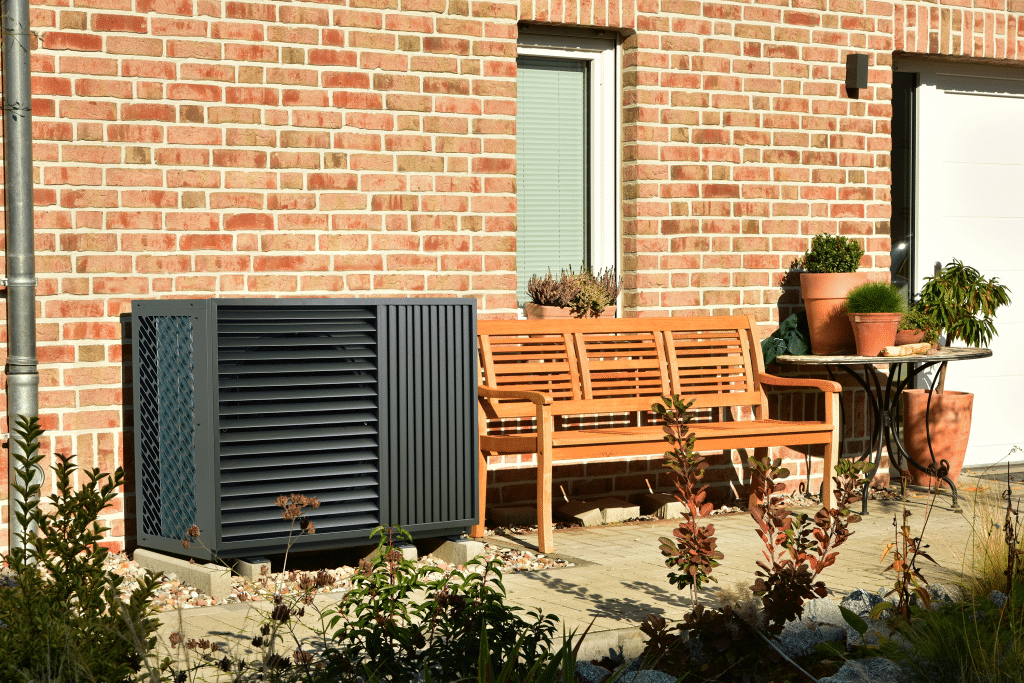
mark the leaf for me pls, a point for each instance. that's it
(855, 622)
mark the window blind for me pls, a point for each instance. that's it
(551, 167)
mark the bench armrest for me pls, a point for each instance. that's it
(534, 397)
(823, 384)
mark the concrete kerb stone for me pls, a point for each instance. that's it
(409, 552)
(615, 510)
(212, 579)
(662, 505)
(583, 513)
(459, 551)
(251, 568)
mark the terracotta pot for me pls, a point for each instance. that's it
(949, 421)
(874, 331)
(909, 337)
(538, 312)
(824, 297)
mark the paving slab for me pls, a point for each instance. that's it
(621, 576)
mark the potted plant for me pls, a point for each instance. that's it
(582, 294)
(916, 326)
(963, 303)
(875, 310)
(830, 267)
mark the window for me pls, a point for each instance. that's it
(566, 154)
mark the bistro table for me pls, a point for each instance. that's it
(885, 402)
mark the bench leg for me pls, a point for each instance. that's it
(545, 540)
(479, 530)
(828, 494)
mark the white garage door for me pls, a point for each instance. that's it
(970, 206)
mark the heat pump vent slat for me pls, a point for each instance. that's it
(262, 381)
(299, 407)
(296, 367)
(229, 314)
(266, 464)
(295, 420)
(252, 448)
(332, 340)
(267, 330)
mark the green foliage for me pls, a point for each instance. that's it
(875, 297)
(586, 293)
(963, 302)
(971, 642)
(64, 619)
(832, 254)
(399, 621)
(916, 319)
(797, 548)
(692, 554)
(792, 337)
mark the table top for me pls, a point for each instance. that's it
(943, 355)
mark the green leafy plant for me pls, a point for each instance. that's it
(875, 297)
(797, 548)
(832, 254)
(400, 621)
(64, 619)
(916, 319)
(692, 553)
(792, 337)
(964, 303)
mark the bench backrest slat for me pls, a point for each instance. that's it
(621, 362)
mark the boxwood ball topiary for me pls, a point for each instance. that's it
(832, 254)
(875, 297)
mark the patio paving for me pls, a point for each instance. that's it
(620, 575)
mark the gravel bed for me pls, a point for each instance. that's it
(173, 593)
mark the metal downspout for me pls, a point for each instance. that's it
(22, 372)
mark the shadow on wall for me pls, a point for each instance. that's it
(127, 433)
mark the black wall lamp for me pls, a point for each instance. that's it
(856, 72)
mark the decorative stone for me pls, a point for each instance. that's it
(662, 505)
(252, 568)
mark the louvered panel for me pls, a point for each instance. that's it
(621, 365)
(263, 352)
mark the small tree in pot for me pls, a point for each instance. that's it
(962, 302)
(830, 264)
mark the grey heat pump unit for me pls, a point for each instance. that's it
(367, 404)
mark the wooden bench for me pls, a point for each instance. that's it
(582, 389)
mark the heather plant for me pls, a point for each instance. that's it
(63, 616)
(586, 293)
(692, 553)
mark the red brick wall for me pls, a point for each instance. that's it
(366, 147)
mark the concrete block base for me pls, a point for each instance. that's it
(251, 568)
(663, 505)
(517, 515)
(408, 552)
(459, 551)
(581, 512)
(614, 510)
(212, 579)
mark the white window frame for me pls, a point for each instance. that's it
(603, 55)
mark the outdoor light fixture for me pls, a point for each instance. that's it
(856, 71)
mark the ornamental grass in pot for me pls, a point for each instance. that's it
(875, 310)
(830, 267)
(583, 294)
(963, 303)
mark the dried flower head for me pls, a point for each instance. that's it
(185, 544)
(281, 613)
(193, 531)
(174, 638)
(302, 657)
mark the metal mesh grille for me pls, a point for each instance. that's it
(148, 446)
(167, 433)
(297, 414)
